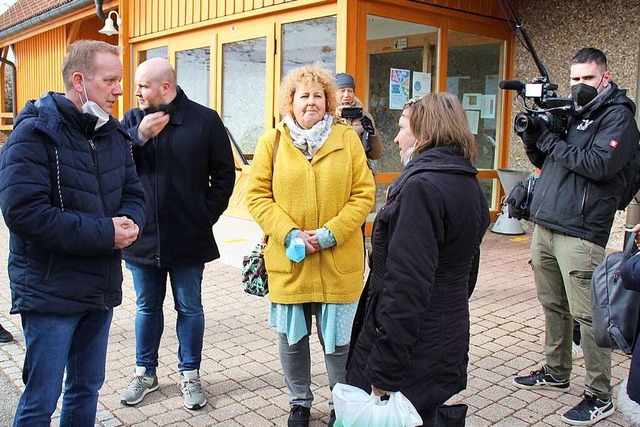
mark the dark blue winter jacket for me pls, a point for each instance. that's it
(61, 183)
(188, 175)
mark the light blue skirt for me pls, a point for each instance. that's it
(335, 323)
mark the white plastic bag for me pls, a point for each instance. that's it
(355, 408)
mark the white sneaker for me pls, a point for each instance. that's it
(576, 351)
(194, 397)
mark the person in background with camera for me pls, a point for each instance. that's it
(310, 187)
(184, 159)
(584, 174)
(414, 337)
(356, 117)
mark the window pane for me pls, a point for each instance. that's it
(244, 90)
(474, 70)
(7, 120)
(488, 186)
(156, 52)
(403, 63)
(193, 70)
(475, 65)
(308, 42)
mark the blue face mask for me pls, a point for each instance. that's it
(90, 107)
(296, 250)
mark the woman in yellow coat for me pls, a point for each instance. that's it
(310, 185)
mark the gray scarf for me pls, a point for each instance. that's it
(309, 141)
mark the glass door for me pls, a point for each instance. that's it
(245, 84)
(475, 66)
(403, 63)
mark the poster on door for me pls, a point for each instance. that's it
(399, 87)
(421, 84)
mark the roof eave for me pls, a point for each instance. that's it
(50, 15)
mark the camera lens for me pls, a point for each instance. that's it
(522, 123)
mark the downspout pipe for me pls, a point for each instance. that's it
(14, 101)
(47, 16)
(99, 10)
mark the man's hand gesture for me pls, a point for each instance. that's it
(126, 232)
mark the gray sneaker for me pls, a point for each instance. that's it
(194, 397)
(139, 386)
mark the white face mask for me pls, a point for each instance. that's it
(406, 156)
(90, 107)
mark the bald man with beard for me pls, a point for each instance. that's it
(184, 160)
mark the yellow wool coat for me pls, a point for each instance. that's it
(334, 190)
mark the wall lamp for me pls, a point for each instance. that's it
(108, 28)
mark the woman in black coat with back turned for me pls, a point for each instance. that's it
(415, 333)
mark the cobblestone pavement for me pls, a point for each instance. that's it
(240, 368)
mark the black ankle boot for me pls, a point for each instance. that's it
(5, 336)
(451, 415)
(299, 416)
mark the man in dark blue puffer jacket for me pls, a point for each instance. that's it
(72, 200)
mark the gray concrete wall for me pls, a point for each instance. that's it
(558, 29)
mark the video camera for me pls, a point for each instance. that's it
(547, 107)
(550, 109)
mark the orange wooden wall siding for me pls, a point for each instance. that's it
(482, 7)
(39, 59)
(39, 62)
(151, 16)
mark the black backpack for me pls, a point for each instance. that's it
(615, 310)
(633, 181)
(519, 199)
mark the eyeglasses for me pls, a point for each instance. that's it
(412, 101)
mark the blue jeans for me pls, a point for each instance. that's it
(150, 283)
(55, 341)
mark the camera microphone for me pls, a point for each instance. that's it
(511, 85)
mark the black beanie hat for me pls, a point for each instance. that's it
(345, 80)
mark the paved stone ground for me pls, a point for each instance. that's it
(241, 372)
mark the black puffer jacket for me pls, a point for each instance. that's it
(60, 185)
(585, 173)
(415, 337)
(188, 174)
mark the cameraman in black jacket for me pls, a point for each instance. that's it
(584, 173)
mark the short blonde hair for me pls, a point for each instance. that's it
(81, 56)
(308, 75)
(438, 119)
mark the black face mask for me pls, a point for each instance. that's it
(583, 94)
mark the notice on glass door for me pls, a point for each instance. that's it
(421, 83)
(399, 87)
